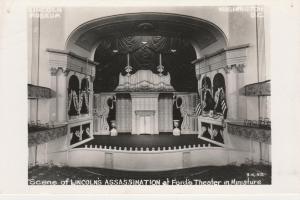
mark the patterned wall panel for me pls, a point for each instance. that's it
(165, 113)
(124, 112)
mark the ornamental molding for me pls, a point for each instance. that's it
(239, 68)
(69, 61)
(227, 59)
(145, 80)
(55, 70)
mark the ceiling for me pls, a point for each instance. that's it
(201, 35)
(144, 36)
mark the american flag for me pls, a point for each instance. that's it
(224, 108)
(198, 109)
(199, 106)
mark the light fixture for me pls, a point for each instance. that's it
(115, 51)
(173, 50)
(128, 68)
(160, 67)
(144, 42)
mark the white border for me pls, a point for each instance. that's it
(285, 61)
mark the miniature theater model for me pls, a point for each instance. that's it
(147, 98)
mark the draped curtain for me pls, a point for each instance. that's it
(144, 53)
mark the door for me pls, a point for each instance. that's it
(145, 124)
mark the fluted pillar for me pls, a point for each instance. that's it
(61, 96)
(232, 93)
(53, 101)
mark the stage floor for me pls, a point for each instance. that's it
(150, 141)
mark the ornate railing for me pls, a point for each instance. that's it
(39, 134)
(36, 92)
(153, 149)
(260, 133)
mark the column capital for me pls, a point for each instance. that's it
(228, 68)
(238, 67)
(55, 70)
(66, 71)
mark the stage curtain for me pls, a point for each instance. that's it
(165, 113)
(124, 112)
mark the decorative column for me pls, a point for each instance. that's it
(232, 92)
(53, 101)
(58, 109)
(61, 92)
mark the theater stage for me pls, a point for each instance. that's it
(143, 141)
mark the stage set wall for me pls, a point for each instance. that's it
(124, 112)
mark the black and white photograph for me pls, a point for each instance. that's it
(140, 97)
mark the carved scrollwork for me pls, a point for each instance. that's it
(228, 68)
(240, 68)
(53, 71)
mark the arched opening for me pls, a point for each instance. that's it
(84, 96)
(219, 90)
(156, 50)
(73, 93)
(179, 39)
(218, 82)
(206, 94)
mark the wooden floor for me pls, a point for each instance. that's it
(151, 141)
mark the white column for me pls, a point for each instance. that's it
(134, 104)
(53, 111)
(155, 101)
(61, 96)
(232, 94)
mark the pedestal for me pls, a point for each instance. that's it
(176, 130)
(61, 95)
(113, 131)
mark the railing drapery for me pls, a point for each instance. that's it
(259, 134)
(44, 134)
(257, 89)
(36, 92)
